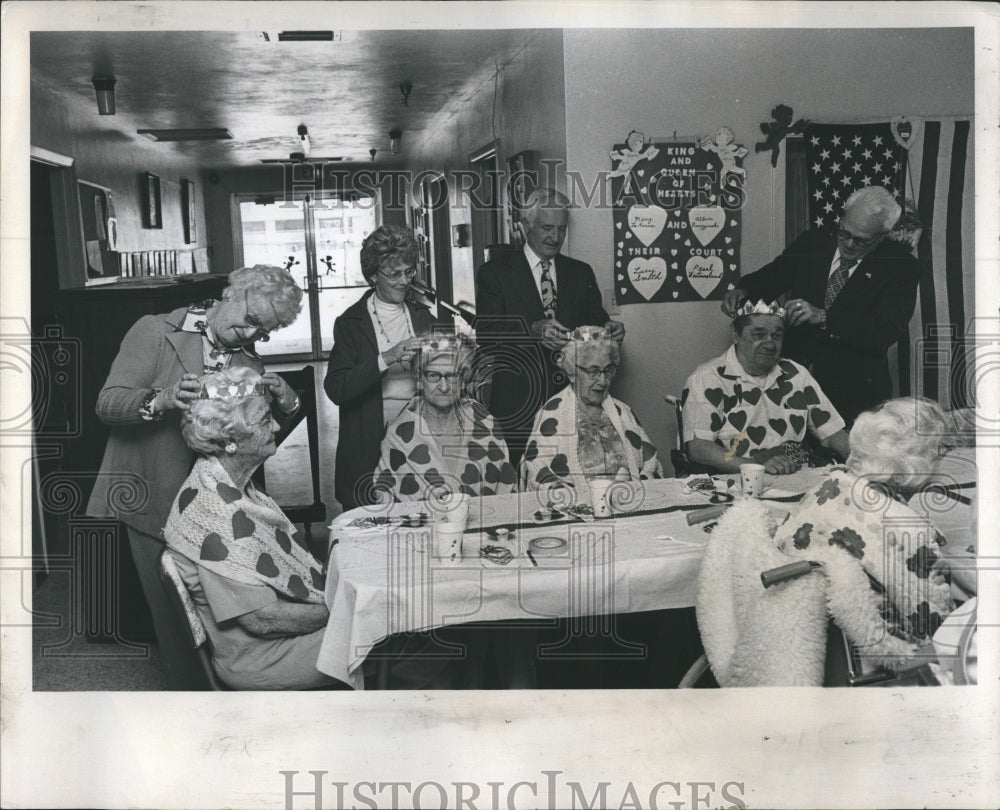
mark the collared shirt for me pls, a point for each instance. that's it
(215, 356)
(726, 405)
(535, 263)
(836, 262)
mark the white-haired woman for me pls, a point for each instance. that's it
(443, 440)
(152, 381)
(257, 588)
(882, 558)
(374, 342)
(583, 432)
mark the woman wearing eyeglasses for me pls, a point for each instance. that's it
(443, 441)
(582, 432)
(374, 342)
(152, 382)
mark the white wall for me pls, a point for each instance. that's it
(692, 82)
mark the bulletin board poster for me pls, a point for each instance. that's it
(677, 221)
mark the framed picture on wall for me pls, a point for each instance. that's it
(188, 212)
(152, 216)
(522, 178)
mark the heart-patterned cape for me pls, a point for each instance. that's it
(241, 534)
(552, 454)
(725, 405)
(416, 464)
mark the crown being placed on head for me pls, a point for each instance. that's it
(761, 308)
(584, 334)
(232, 391)
(450, 344)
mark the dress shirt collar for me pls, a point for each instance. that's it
(534, 262)
(836, 261)
(195, 321)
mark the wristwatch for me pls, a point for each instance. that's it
(146, 410)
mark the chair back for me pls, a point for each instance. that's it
(185, 613)
(303, 382)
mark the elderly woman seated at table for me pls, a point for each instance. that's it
(583, 432)
(258, 590)
(884, 586)
(443, 440)
(752, 405)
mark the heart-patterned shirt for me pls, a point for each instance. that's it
(726, 405)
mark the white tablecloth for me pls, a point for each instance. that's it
(383, 580)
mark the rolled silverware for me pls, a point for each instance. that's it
(709, 513)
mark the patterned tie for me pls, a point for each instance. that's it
(548, 290)
(836, 283)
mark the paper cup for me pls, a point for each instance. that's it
(599, 497)
(752, 477)
(448, 543)
(453, 509)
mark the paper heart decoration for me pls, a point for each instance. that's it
(621, 244)
(706, 222)
(704, 273)
(647, 275)
(618, 264)
(732, 267)
(646, 222)
(902, 130)
(679, 279)
(641, 172)
(730, 287)
(687, 243)
(618, 225)
(628, 234)
(621, 277)
(729, 239)
(676, 236)
(677, 212)
(675, 293)
(732, 222)
(624, 290)
(729, 252)
(673, 251)
(673, 265)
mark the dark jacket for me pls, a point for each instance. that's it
(353, 381)
(871, 313)
(507, 303)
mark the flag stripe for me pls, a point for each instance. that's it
(953, 256)
(925, 207)
(938, 326)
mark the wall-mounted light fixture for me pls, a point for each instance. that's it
(406, 88)
(395, 141)
(373, 151)
(105, 88)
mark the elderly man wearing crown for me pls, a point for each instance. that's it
(752, 405)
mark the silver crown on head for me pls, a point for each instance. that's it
(761, 307)
(232, 391)
(583, 334)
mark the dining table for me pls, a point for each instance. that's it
(525, 555)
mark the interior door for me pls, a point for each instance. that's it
(319, 241)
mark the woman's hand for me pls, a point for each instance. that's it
(798, 311)
(403, 352)
(178, 396)
(284, 397)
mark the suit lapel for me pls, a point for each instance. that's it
(523, 282)
(188, 346)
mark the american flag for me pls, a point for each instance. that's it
(841, 158)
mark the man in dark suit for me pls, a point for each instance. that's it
(527, 303)
(850, 297)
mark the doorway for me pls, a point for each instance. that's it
(318, 240)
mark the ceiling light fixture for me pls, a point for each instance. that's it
(304, 139)
(105, 88)
(395, 141)
(373, 151)
(406, 88)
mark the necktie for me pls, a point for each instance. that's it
(548, 290)
(836, 283)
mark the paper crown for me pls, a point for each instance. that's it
(583, 334)
(447, 343)
(761, 308)
(232, 391)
